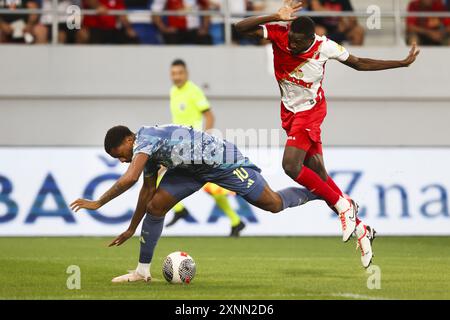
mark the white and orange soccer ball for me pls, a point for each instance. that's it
(179, 267)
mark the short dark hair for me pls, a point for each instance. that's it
(115, 136)
(179, 62)
(303, 25)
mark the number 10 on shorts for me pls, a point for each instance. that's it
(243, 175)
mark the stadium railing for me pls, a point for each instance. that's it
(397, 15)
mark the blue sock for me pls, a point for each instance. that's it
(151, 232)
(294, 197)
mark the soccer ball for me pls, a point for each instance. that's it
(179, 267)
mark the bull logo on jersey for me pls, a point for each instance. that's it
(298, 73)
(316, 55)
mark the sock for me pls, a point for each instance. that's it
(313, 183)
(293, 197)
(178, 207)
(224, 204)
(150, 234)
(144, 269)
(333, 186)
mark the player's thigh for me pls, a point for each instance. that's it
(244, 181)
(251, 185)
(174, 187)
(161, 202)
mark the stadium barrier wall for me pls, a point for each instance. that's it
(398, 194)
(143, 71)
(101, 86)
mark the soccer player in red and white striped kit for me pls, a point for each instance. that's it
(299, 60)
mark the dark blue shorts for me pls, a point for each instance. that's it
(245, 181)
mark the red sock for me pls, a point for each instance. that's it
(333, 186)
(316, 185)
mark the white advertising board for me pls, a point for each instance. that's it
(401, 191)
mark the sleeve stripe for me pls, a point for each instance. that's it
(266, 34)
(344, 56)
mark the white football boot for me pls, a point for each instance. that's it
(348, 219)
(132, 276)
(365, 235)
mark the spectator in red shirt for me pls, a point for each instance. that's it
(427, 30)
(338, 29)
(188, 29)
(104, 28)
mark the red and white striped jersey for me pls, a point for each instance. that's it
(300, 77)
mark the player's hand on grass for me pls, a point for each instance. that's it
(122, 238)
(413, 53)
(84, 204)
(286, 13)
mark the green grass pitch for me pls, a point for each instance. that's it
(244, 268)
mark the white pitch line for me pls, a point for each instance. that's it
(239, 296)
(357, 296)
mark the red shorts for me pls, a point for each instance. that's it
(303, 128)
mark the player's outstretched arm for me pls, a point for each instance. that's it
(125, 182)
(366, 64)
(251, 26)
(145, 195)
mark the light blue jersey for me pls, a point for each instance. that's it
(176, 146)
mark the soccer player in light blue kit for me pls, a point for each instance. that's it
(192, 158)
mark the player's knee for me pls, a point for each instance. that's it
(292, 169)
(271, 207)
(276, 208)
(155, 209)
(276, 204)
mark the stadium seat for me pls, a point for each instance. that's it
(216, 32)
(147, 33)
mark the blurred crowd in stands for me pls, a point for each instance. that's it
(196, 29)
